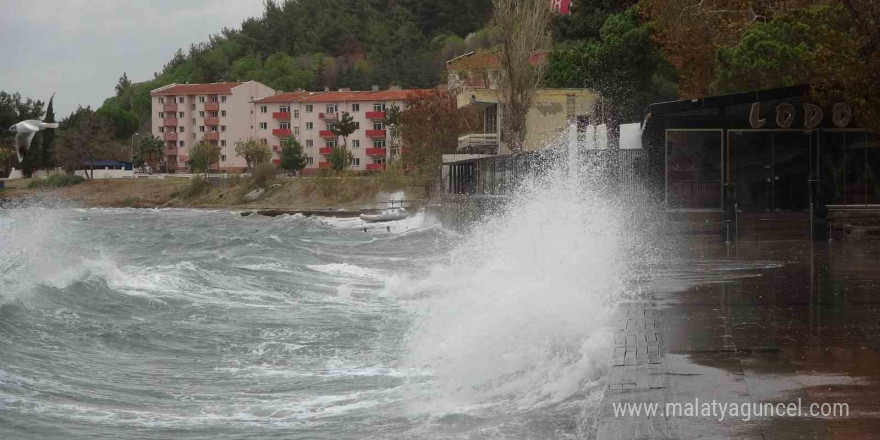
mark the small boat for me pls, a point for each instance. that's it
(386, 215)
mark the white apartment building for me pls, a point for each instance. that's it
(218, 113)
(225, 113)
(307, 116)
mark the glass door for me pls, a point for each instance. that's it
(791, 171)
(752, 171)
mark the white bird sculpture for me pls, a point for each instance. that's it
(24, 134)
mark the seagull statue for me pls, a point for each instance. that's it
(24, 134)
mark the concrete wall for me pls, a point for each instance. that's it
(107, 173)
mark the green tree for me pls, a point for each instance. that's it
(253, 152)
(344, 128)
(84, 138)
(48, 150)
(124, 123)
(292, 157)
(203, 155)
(340, 159)
(625, 66)
(786, 51)
(150, 151)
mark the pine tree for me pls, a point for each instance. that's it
(48, 160)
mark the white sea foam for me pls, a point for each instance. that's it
(348, 271)
(520, 315)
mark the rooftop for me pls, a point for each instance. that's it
(485, 59)
(221, 88)
(342, 96)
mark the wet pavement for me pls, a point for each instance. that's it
(764, 322)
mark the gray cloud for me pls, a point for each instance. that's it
(78, 49)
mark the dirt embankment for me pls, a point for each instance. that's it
(346, 192)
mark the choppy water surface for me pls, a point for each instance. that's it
(196, 324)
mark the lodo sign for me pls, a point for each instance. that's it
(841, 115)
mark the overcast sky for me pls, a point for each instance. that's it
(79, 48)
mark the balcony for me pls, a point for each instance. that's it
(281, 132)
(170, 108)
(376, 134)
(478, 140)
(324, 165)
(376, 116)
(212, 122)
(212, 136)
(375, 167)
(329, 117)
(376, 152)
(325, 151)
(327, 134)
(170, 137)
(281, 116)
(170, 122)
(212, 106)
(171, 151)
(277, 162)
(276, 148)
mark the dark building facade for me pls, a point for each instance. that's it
(770, 151)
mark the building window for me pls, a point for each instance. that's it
(296, 131)
(310, 160)
(331, 144)
(310, 143)
(180, 129)
(223, 158)
(222, 99)
(264, 108)
(223, 113)
(379, 107)
(284, 109)
(264, 125)
(356, 143)
(161, 100)
(202, 128)
(284, 125)
(161, 114)
(193, 107)
(355, 107)
(181, 144)
(331, 108)
(309, 108)
(296, 114)
(180, 114)
(693, 169)
(378, 126)
(356, 162)
(378, 144)
(310, 126)
(223, 128)
(222, 143)
(264, 141)
(214, 98)
(161, 129)
(357, 125)
(202, 114)
(180, 100)
(201, 99)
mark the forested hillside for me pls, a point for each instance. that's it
(311, 44)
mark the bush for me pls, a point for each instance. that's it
(57, 181)
(194, 188)
(263, 174)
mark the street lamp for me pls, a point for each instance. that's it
(131, 150)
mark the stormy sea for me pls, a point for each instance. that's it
(196, 324)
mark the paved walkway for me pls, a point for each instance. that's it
(659, 358)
